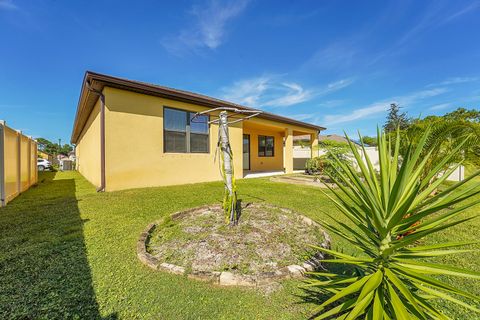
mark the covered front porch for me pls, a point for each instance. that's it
(268, 148)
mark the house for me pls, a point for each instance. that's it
(44, 155)
(71, 156)
(131, 134)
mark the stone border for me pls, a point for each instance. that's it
(226, 278)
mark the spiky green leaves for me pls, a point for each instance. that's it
(389, 211)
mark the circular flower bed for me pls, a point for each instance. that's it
(268, 244)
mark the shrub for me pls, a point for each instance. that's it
(390, 212)
(315, 165)
(325, 164)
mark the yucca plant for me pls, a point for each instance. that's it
(390, 212)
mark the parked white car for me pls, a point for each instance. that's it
(43, 164)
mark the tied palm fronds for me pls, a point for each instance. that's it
(230, 197)
(392, 210)
(229, 204)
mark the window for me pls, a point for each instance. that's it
(265, 146)
(181, 134)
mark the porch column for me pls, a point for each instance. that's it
(288, 157)
(314, 144)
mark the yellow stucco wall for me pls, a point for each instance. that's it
(33, 162)
(134, 145)
(265, 163)
(25, 164)
(88, 148)
(11, 163)
(20, 162)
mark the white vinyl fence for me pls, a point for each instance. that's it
(18, 163)
(302, 154)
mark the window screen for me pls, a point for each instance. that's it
(181, 134)
(199, 134)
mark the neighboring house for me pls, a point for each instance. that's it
(333, 137)
(131, 134)
(61, 157)
(44, 155)
(71, 156)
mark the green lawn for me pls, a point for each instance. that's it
(69, 252)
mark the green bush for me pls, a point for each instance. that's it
(325, 164)
(315, 165)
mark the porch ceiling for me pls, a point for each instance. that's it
(265, 127)
(260, 126)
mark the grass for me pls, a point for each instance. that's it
(69, 252)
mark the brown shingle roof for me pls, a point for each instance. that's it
(97, 81)
(334, 137)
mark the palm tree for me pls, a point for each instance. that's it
(446, 135)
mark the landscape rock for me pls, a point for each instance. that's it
(231, 279)
(207, 276)
(296, 270)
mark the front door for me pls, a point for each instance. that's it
(246, 152)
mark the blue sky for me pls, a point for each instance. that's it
(338, 64)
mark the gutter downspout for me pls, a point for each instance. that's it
(3, 200)
(102, 137)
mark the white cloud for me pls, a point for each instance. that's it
(294, 94)
(300, 116)
(208, 29)
(339, 54)
(356, 114)
(248, 92)
(332, 103)
(440, 106)
(382, 106)
(471, 7)
(419, 95)
(356, 51)
(454, 80)
(270, 91)
(337, 85)
(7, 4)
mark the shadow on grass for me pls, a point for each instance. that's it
(44, 270)
(314, 295)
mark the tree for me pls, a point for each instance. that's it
(390, 212)
(53, 148)
(371, 141)
(47, 146)
(462, 114)
(65, 149)
(395, 119)
(459, 127)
